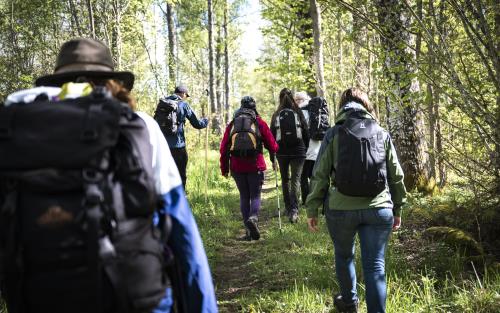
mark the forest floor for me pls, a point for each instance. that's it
(234, 271)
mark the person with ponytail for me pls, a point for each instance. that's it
(290, 130)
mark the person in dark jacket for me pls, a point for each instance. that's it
(177, 142)
(248, 171)
(291, 157)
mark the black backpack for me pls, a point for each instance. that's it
(245, 138)
(319, 118)
(289, 129)
(76, 203)
(361, 163)
(166, 116)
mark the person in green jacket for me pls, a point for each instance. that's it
(359, 175)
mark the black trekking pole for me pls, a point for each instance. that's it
(278, 199)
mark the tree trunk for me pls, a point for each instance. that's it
(171, 45)
(301, 26)
(315, 13)
(213, 107)
(227, 105)
(218, 77)
(439, 142)
(403, 113)
(340, 66)
(91, 18)
(74, 15)
(496, 9)
(116, 40)
(432, 130)
(359, 33)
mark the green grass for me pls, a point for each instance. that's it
(293, 271)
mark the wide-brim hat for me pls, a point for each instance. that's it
(84, 58)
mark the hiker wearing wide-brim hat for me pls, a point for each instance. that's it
(81, 59)
(82, 66)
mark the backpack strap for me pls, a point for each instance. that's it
(89, 131)
(92, 205)
(6, 123)
(13, 280)
(100, 249)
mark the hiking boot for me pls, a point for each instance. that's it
(252, 226)
(343, 307)
(294, 217)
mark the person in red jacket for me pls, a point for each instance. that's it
(241, 153)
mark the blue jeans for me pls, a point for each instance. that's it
(373, 227)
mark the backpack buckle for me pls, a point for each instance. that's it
(92, 176)
(93, 195)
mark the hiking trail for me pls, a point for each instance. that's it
(233, 272)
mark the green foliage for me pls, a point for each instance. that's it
(291, 30)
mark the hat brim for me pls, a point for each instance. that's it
(59, 79)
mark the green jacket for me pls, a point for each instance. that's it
(394, 196)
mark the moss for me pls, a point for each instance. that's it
(427, 186)
(456, 238)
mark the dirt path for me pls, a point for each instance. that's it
(233, 272)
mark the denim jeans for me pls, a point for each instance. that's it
(373, 227)
(290, 170)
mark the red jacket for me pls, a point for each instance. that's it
(246, 165)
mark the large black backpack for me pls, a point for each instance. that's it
(166, 116)
(319, 118)
(289, 129)
(245, 138)
(76, 203)
(361, 163)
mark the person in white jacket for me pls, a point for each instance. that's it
(302, 99)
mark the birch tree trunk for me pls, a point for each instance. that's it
(227, 105)
(403, 116)
(76, 21)
(218, 78)
(213, 107)
(116, 46)
(360, 33)
(91, 18)
(315, 13)
(171, 45)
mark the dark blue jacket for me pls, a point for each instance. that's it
(184, 112)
